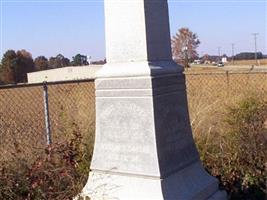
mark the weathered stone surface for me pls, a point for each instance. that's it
(137, 30)
(144, 149)
(144, 139)
(189, 183)
(147, 133)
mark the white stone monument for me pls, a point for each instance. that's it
(144, 149)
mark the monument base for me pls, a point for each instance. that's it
(190, 183)
(144, 148)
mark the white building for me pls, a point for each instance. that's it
(224, 59)
(64, 74)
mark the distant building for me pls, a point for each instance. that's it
(64, 74)
(224, 59)
(197, 62)
(207, 62)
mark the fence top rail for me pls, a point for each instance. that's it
(20, 85)
(190, 73)
(224, 72)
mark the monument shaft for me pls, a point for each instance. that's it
(144, 147)
(137, 31)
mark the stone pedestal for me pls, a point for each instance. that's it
(144, 149)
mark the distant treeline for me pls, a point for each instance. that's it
(15, 65)
(248, 56)
(240, 56)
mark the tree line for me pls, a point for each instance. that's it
(248, 56)
(15, 65)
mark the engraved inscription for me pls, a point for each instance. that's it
(126, 135)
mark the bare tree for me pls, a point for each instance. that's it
(184, 45)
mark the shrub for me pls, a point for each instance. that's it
(237, 155)
(60, 173)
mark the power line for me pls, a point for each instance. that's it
(255, 39)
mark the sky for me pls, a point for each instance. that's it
(50, 27)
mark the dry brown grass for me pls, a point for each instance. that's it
(237, 161)
(72, 106)
(210, 94)
(22, 124)
(72, 110)
(249, 62)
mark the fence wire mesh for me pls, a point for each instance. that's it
(22, 116)
(211, 95)
(72, 108)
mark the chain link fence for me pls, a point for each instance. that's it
(34, 115)
(211, 95)
(225, 85)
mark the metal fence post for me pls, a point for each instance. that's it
(47, 118)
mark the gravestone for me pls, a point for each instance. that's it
(144, 149)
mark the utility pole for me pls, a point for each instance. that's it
(255, 39)
(219, 53)
(233, 52)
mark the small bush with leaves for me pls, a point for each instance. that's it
(60, 173)
(238, 156)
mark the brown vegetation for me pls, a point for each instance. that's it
(22, 116)
(219, 103)
(184, 45)
(29, 169)
(249, 62)
(228, 112)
